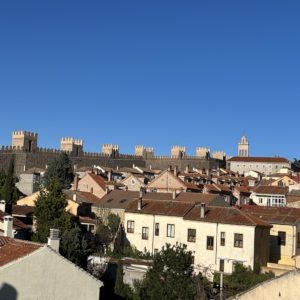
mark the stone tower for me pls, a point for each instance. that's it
(110, 150)
(202, 152)
(74, 146)
(178, 151)
(146, 152)
(243, 147)
(25, 140)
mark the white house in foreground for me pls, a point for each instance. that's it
(35, 271)
(218, 237)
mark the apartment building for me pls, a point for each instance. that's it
(219, 237)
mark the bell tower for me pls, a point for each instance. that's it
(243, 147)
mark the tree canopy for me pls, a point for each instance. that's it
(60, 168)
(171, 275)
(50, 211)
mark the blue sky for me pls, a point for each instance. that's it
(159, 73)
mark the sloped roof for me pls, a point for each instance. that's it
(226, 215)
(12, 249)
(22, 210)
(273, 215)
(17, 224)
(271, 190)
(82, 197)
(259, 159)
(98, 179)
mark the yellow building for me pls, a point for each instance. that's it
(284, 235)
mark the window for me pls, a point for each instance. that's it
(145, 233)
(238, 240)
(298, 240)
(191, 235)
(222, 241)
(281, 238)
(157, 229)
(260, 200)
(193, 259)
(221, 265)
(170, 230)
(210, 243)
(130, 226)
(155, 251)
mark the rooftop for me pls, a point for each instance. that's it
(259, 159)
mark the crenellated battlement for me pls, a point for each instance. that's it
(202, 151)
(219, 155)
(23, 133)
(70, 140)
(178, 151)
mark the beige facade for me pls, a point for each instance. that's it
(44, 274)
(166, 182)
(207, 257)
(133, 183)
(285, 287)
(92, 183)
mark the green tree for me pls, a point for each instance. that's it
(74, 246)
(171, 275)
(113, 223)
(9, 191)
(60, 168)
(122, 289)
(242, 279)
(50, 211)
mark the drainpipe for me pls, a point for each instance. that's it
(216, 260)
(153, 234)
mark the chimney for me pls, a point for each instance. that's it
(74, 197)
(75, 182)
(173, 194)
(141, 192)
(2, 205)
(187, 169)
(140, 204)
(109, 175)
(8, 226)
(175, 171)
(53, 239)
(202, 210)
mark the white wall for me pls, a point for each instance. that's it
(45, 274)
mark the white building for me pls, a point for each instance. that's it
(265, 165)
(217, 236)
(269, 195)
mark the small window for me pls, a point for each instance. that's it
(210, 243)
(222, 241)
(298, 240)
(145, 233)
(221, 265)
(238, 240)
(130, 226)
(193, 259)
(171, 230)
(191, 235)
(157, 229)
(155, 251)
(281, 238)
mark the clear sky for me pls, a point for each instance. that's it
(158, 73)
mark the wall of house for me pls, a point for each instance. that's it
(45, 274)
(88, 184)
(262, 199)
(133, 183)
(266, 168)
(284, 287)
(205, 260)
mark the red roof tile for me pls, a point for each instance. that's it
(271, 190)
(259, 159)
(12, 249)
(99, 180)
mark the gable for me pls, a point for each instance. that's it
(167, 180)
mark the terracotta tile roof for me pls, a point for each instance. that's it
(192, 186)
(12, 249)
(208, 199)
(273, 215)
(99, 180)
(271, 190)
(226, 215)
(158, 207)
(82, 197)
(87, 220)
(243, 189)
(118, 199)
(22, 210)
(217, 188)
(293, 196)
(259, 159)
